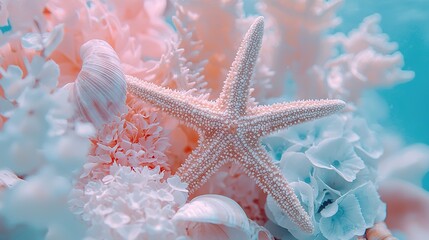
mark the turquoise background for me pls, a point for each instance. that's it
(407, 23)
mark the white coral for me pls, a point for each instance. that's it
(130, 204)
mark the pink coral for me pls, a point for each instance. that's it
(134, 139)
(214, 40)
(296, 41)
(369, 60)
(130, 156)
(133, 42)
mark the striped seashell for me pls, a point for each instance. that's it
(99, 92)
(379, 232)
(214, 216)
(8, 179)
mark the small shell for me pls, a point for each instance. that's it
(8, 179)
(379, 232)
(99, 92)
(217, 217)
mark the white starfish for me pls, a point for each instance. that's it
(230, 130)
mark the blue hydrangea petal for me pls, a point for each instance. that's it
(276, 146)
(305, 194)
(11, 82)
(313, 132)
(369, 200)
(346, 223)
(296, 167)
(338, 155)
(330, 210)
(368, 143)
(47, 42)
(5, 105)
(46, 72)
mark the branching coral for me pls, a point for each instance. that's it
(120, 25)
(118, 156)
(300, 41)
(369, 60)
(134, 139)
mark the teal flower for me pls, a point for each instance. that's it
(338, 155)
(307, 134)
(342, 219)
(306, 195)
(352, 213)
(295, 166)
(373, 209)
(46, 42)
(42, 72)
(276, 146)
(11, 82)
(367, 143)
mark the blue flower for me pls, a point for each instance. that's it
(46, 42)
(373, 209)
(338, 155)
(276, 146)
(352, 213)
(11, 82)
(313, 132)
(342, 219)
(367, 144)
(295, 166)
(306, 195)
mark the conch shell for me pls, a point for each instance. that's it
(214, 216)
(99, 92)
(379, 232)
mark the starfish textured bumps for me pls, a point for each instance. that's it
(230, 128)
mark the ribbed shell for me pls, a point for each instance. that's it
(218, 215)
(99, 92)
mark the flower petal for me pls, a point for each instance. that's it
(346, 223)
(338, 155)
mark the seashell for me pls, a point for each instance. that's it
(8, 179)
(217, 217)
(379, 232)
(99, 92)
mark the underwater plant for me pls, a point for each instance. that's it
(193, 119)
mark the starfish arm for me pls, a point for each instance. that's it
(259, 166)
(193, 111)
(268, 119)
(202, 162)
(235, 93)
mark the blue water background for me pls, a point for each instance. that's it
(407, 23)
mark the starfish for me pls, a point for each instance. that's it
(230, 127)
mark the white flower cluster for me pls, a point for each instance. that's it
(130, 203)
(38, 142)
